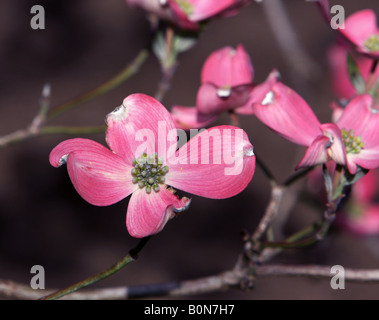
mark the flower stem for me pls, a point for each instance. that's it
(272, 249)
(298, 240)
(130, 257)
(169, 42)
(292, 179)
(302, 238)
(168, 66)
(121, 77)
(265, 170)
(234, 121)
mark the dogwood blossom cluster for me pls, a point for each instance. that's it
(352, 140)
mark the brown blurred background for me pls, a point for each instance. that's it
(44, 221)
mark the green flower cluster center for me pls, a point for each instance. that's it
(148, 172)
(372, 43)
(353, 143)
(186, 6)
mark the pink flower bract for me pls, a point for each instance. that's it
(226, 83)
(135, 164)
(284, 111)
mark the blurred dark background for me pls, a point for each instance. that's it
(44, 221)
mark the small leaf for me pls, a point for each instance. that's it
(159, 46)
(355, 75)
(167, 51)
(185, 41)
(347, 179)
(350, 179)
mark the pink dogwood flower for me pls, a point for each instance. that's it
(352, 141)
(360, 30)
(187, 14)
(226, 82)
(359, 125)
(140, 163)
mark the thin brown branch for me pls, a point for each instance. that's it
(215, 283)
(355, 275)
(34, 127)
(14, 290)
(270, 213)
(16, 136)
(204, 285)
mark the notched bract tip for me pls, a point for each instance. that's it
(119, 113)
(248, 152)
(63, 160)
(275, 74)
(269, 98)
(185, 199)
(224, 92)
(182, 209)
